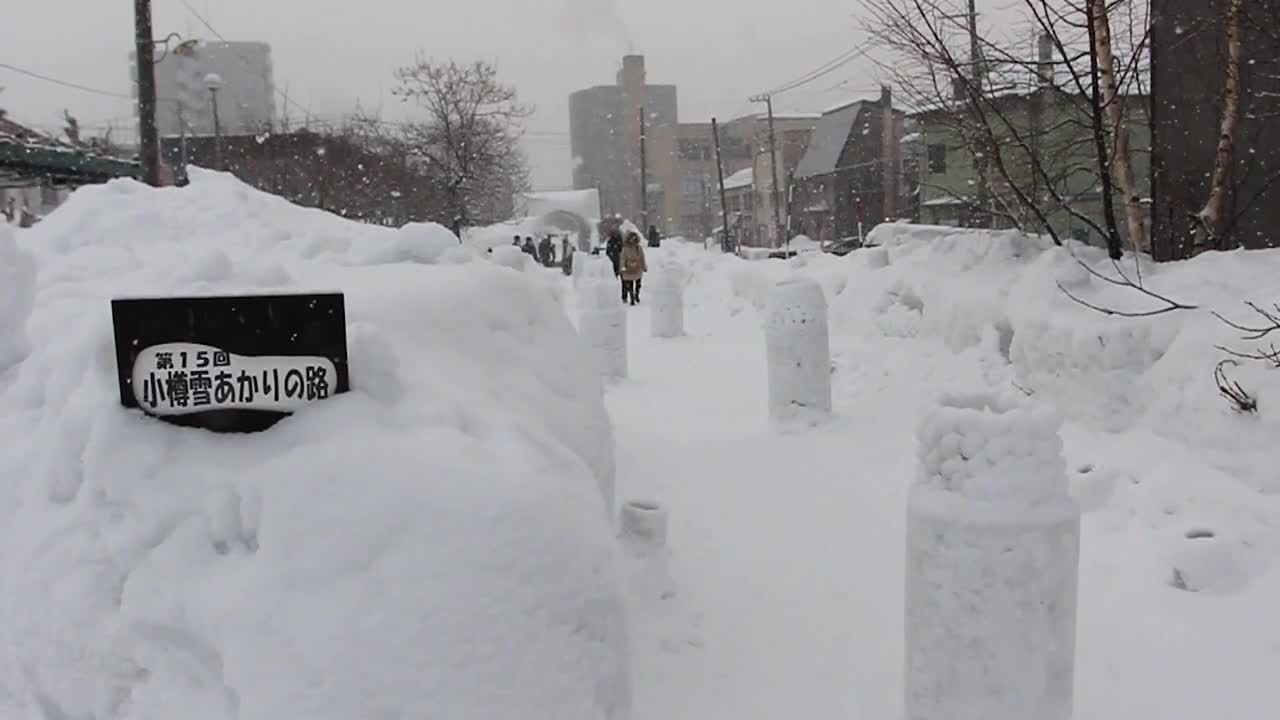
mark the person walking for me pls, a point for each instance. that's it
(613, 250)
(546, 251)
(529, 248)
(633, 268)
(655, 240)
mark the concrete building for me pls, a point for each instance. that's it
(744, 145)
(604, 136)
(246, 101)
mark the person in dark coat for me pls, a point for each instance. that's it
(516, 242)
(655, 240)
(529, 249)
(613, 250)
(546, 252)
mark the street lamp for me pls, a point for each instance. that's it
(213, 83)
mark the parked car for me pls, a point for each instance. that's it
(843, 246)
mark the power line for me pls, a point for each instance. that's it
(248, 65)
(64, 83)
(822, 70)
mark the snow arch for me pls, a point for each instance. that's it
(573, 211)
(567, 221)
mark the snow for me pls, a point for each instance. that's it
(992, 567)
(434, 543)
(584, 203)
(665, 290)
(422, 546)
(786, 549)
(798, 350)
(741, 179)
(602, 323)
(17, 293)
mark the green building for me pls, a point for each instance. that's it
(1047, 148)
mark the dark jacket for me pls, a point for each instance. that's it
(613, 249)
(655, 240)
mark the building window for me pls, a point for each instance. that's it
(937, 159)
(691, 149)
(695, 187)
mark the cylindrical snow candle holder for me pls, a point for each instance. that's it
(602, 323)
(666, 305)
(798, 350)
(643, 526)
(993, 550)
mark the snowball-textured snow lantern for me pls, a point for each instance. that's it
(993, 545)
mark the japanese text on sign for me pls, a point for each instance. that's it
(184, 378)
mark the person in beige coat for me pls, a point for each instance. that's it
(633, 266)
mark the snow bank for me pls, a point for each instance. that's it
(998, 294)
(17, 291)
(993, 298)
(421, 546)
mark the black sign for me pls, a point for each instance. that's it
(230, 363)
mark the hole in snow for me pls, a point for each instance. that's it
(1004, 338)
(1199, 534)
(643, 505)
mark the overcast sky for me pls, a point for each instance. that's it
(331, 54)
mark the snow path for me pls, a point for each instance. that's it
(773, 530)
(787, 548)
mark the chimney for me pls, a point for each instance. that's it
(1044, 63)
(889, 154)
(631, 83)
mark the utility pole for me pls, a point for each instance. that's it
(773, 163)
(644, 178)
(144, 50)
(982, 147)
(724, 208)
(889, 148)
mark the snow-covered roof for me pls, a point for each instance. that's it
(828, 141)
(842, 105)
(740, 179)
(794, 116)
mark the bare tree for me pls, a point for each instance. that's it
(1122, 160)
(1210, 219)
(469, 137)
(1048, 130)
(72, 128)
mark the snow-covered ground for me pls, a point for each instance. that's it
(434, 543)
(786, 548)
